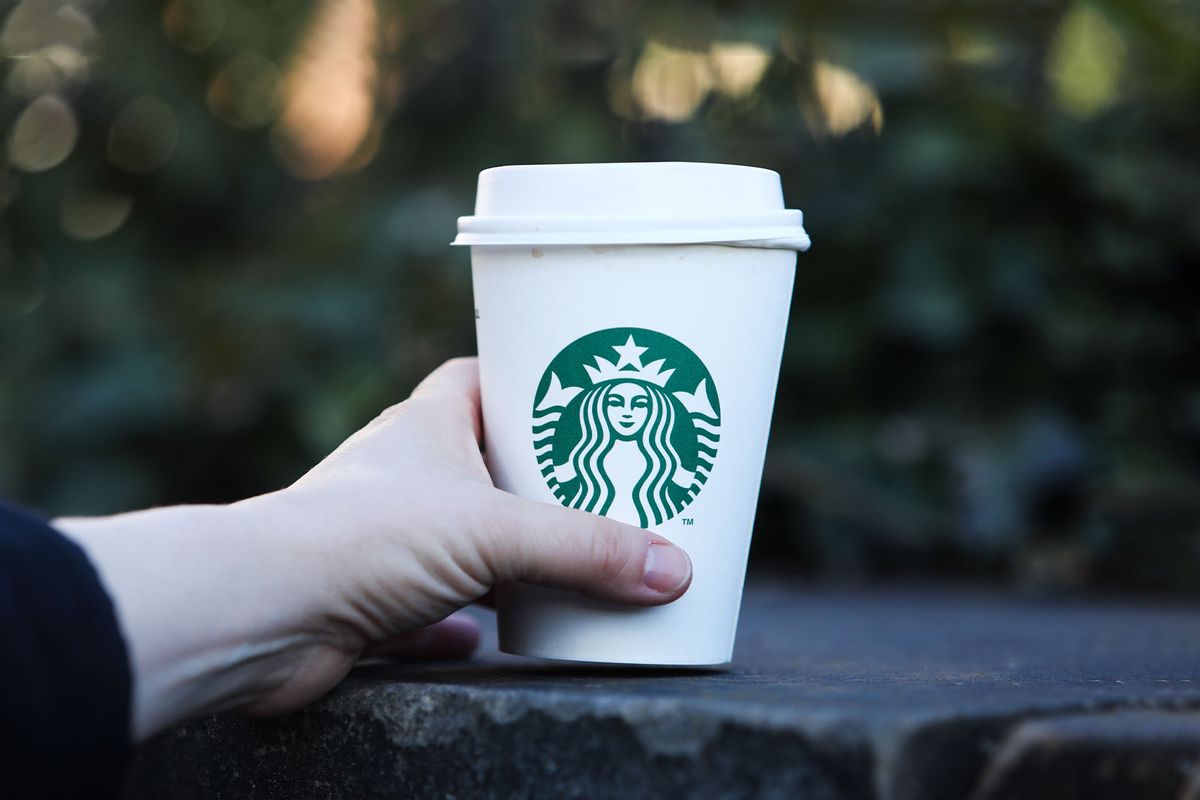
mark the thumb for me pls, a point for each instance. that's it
(552, 546)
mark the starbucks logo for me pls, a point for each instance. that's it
(626, 423)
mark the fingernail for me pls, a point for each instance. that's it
(667, 567)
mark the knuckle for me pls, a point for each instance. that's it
(388, 416)
(501, 550)
(460, 362)
(390, 413)
(420, 406)
(449, 371)
(611, 550)
(432, 407)
(378, 424)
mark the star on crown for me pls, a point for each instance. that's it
(629, 366)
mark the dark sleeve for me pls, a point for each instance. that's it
(64, 671)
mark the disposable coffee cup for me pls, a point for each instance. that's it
(630, 322)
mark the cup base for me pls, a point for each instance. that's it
(615, 661)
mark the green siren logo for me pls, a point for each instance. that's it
(626, 423)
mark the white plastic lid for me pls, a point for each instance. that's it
(637, 203)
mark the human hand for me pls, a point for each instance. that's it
(266, 604)
(408, 527)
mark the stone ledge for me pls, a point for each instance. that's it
(1102, 756)
(898, 695)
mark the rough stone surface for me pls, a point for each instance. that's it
(1109, 756)
(896, 695)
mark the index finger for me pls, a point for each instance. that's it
(455, 385)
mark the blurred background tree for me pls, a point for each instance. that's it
(224, 228)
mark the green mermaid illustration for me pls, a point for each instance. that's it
(611, 438)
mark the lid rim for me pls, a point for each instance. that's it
(788, 238)
(774, 217)
(631, 166)
(674, 202)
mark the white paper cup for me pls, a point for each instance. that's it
(630, 322)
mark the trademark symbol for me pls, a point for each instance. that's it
(688, 521)
(477, 313)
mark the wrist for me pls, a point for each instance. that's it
(211, 600)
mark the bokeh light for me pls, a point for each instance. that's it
(34, 24)
(43, 135)
(54, 69)
(87, 215)
(193, 25)
(737, 67)
(1085, 62)
(329, 92)
(143, 136)
(670, 84)
(245, 93)
(845, 100)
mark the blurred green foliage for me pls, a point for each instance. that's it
(223, 247)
